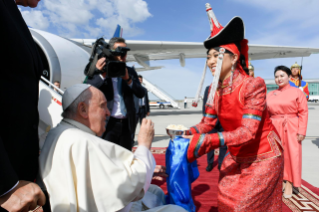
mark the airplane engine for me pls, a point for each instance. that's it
(63, 60)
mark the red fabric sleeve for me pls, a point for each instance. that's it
(207, 123)
(201, 144)
(255, 104)
(306, 91)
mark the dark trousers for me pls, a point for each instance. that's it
(185, 104)
(141, 114)
(117, 131)
(139, 117)
(211, 154)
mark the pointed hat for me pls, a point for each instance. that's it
(233, 32)
(297, 66)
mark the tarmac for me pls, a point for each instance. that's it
(191, 116)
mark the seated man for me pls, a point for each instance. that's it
(83, 172)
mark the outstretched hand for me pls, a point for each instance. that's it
(159, 173)
(146, 134)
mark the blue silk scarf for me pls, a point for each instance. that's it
(181, 174)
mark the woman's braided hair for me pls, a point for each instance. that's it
(242, 59)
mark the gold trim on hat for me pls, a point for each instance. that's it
(295, 66)
(250, 66)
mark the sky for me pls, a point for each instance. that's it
(280, 22)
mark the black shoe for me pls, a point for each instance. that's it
(209, 167)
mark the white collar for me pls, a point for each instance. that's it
(78, 125)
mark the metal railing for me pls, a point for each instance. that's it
(52, 85)
(159, 93)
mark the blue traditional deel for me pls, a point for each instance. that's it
(303, 87)
(181, 174)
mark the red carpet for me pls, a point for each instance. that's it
(204, 189)
(306, 199)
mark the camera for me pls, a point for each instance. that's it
(113, 68)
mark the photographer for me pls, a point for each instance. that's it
(119, 93)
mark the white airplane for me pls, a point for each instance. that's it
(64, 61)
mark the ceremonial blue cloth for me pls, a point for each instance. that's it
(181, 174)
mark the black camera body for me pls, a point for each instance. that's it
(112, 68)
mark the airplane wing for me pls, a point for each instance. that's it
(260, 52)
(144, 51)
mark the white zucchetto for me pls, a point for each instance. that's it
(72, 93)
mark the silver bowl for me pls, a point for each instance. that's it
(173, 133)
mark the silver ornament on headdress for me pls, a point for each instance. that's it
(210, 99)
(200, 87)
(212, 18)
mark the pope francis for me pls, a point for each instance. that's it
(83, 172)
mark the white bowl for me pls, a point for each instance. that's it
(173, 133)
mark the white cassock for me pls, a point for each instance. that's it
(84, 173)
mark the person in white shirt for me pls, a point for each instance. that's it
(83, 172)
(119, 92)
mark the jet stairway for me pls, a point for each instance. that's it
(50, 108)
(160, 94)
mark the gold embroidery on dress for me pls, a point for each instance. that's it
(275, 151)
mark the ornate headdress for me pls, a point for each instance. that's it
(233, 32)
(231, 38)
(299, 73)
(295, 66)
(251, 69)
(250, 66)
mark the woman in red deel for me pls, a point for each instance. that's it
(252, 171)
